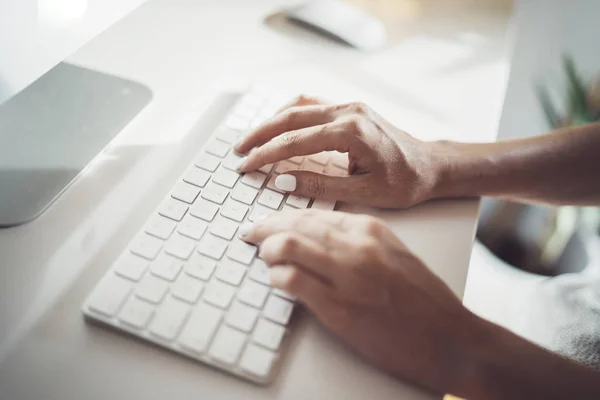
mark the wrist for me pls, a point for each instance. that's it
(458, 169)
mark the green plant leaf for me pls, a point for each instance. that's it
(552, 116)
(576, 92)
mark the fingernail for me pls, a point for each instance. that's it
(240, 163)
(286, 182)
(244, 229)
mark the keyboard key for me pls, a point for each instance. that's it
(234, 210)
(241, 317)
(136, 313)
(296, 160)
(254, 179)
(200, 267)
(271, 184)
(109, 295)
(225, 177)
(166, 267)
(200, 328)
(244, 193)
(339, 159)
(131, 266)
(216, 148)
(285, 166)
(232, 161)
(160, 227)
(185, 192)
(212, 246)
(287, 207)
(257, 361)
(284, 294)
(180, 246)
(259, 213)
(169, 319)
(321, 158)
(260, 272)
(215, 193)
(219, 294)
(204, 209)
(253, 293)
(152, 289)
(246, 110)
(231, 272)
(270, 199)
(187, 288)
(312, 166)
(241, 251)
(237, 123)
(228, 345)
(268, 334)
(266, 168)
(297, 201)
(207, 162)
(322, 204)
(278, 310)
(146, 246)
(196, 176)
(192, 227)
(227, 135)
(223, 227)
(173, 209)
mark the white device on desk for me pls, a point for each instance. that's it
(186, 282)
(343, 21)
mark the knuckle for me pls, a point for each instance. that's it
(359, 108)
(328, 237)
(315, 186)
(289, 117)
(288, 246)
(289, 139)
(370, 248)
(374, 226)
(354, 124)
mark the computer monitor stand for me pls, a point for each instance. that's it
(51, 130)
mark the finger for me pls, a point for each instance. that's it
(293, 247)
(299, 142)
(302, 100)
(291, 119)
(319, 225)
(315, 295)
(351, 189)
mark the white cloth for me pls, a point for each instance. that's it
(564, 316)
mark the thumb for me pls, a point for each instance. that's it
(311, 184)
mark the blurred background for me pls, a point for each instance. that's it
(554, 81)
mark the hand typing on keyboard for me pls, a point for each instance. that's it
(388, 167)
(364, 285)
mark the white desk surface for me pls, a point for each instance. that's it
(439, 77)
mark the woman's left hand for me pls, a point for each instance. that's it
(365, 286)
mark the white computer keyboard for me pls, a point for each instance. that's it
(186, 282)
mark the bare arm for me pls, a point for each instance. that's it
(390, 168)
(502, 365)
(559, 168)
(367, 288)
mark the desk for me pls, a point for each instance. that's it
(439, 77)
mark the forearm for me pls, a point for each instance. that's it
(558, 168)
(500, 365)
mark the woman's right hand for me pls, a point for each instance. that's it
(387, 167)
